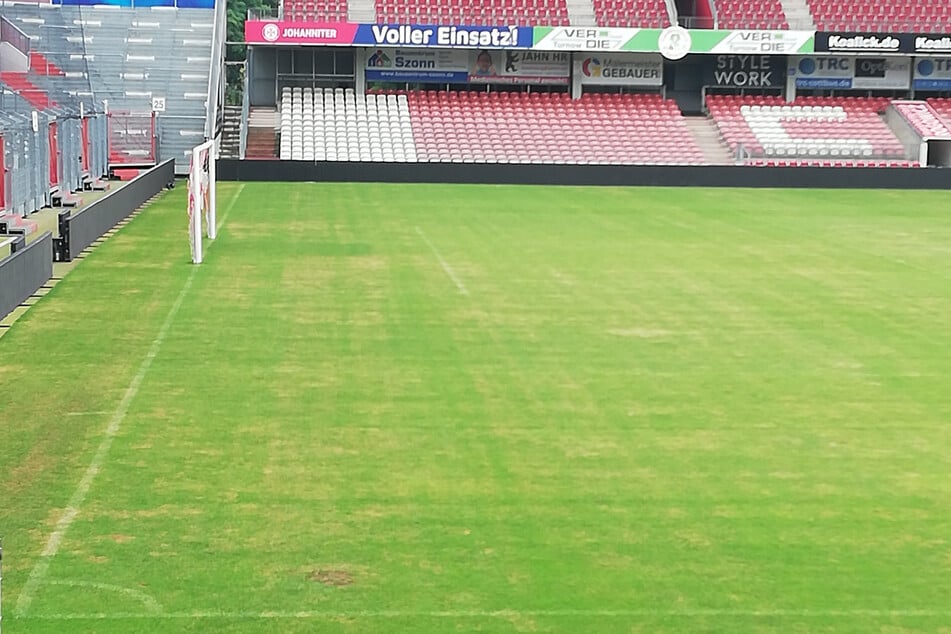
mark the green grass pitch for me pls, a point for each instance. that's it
(386, 408)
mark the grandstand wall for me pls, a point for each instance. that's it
(586, 175)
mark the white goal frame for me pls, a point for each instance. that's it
(202, 186)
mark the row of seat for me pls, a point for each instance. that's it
(484, 127)
(817, 128)
(503, 127)
(338, 125)
(881, 15)
(831, 15)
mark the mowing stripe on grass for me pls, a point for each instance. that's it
(501, 614)
(40, 570)
(445, 265)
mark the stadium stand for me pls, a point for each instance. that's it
(881, 15)
(126, 57)
(21, 85)
(640, 13)
(751, 14)
(488, 12)
(331, 125)
(479, 127)
(825, 131)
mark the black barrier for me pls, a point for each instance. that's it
(90, 223)
(608, 175)
(25, 271)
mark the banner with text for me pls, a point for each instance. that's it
(298, 33)
(519, 67)
(418, 65)
(864, 73)
(932, 73)
(747, 71)
(634, 69)
(881, 43)
(744, 42)
(395, 35)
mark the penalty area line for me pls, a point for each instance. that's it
(497, 614)
(73, 506)
(445, 265)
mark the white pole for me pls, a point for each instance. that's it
(194, 193)
(212, 190)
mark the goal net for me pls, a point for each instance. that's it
(201, 197)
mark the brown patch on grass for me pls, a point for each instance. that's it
(121, 539)
(98, 559)
(330, 577)
(22, 475)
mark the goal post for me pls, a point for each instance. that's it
(201, 197)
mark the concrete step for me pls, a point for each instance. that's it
(708, 139)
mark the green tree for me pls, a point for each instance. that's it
(235, 51)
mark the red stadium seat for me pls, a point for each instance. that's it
(489, 13)
(631, 13)
(550, 128)
(881, 15)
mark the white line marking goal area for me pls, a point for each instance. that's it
(445, 265)
(73, 507)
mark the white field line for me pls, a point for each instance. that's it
(224, 216)
(40, 570)
(502, 614)
(150, 604)
(445, 265)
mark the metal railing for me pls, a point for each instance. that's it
(12, 35)
(132, 138)
(265, 13)
(216, 82)
(245, 113)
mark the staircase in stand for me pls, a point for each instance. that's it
(262, 133)
(361, 11)
(19, 83)
(798, 15)
(231, 132)
(42, 66)
(581, 13)
(707, 135)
